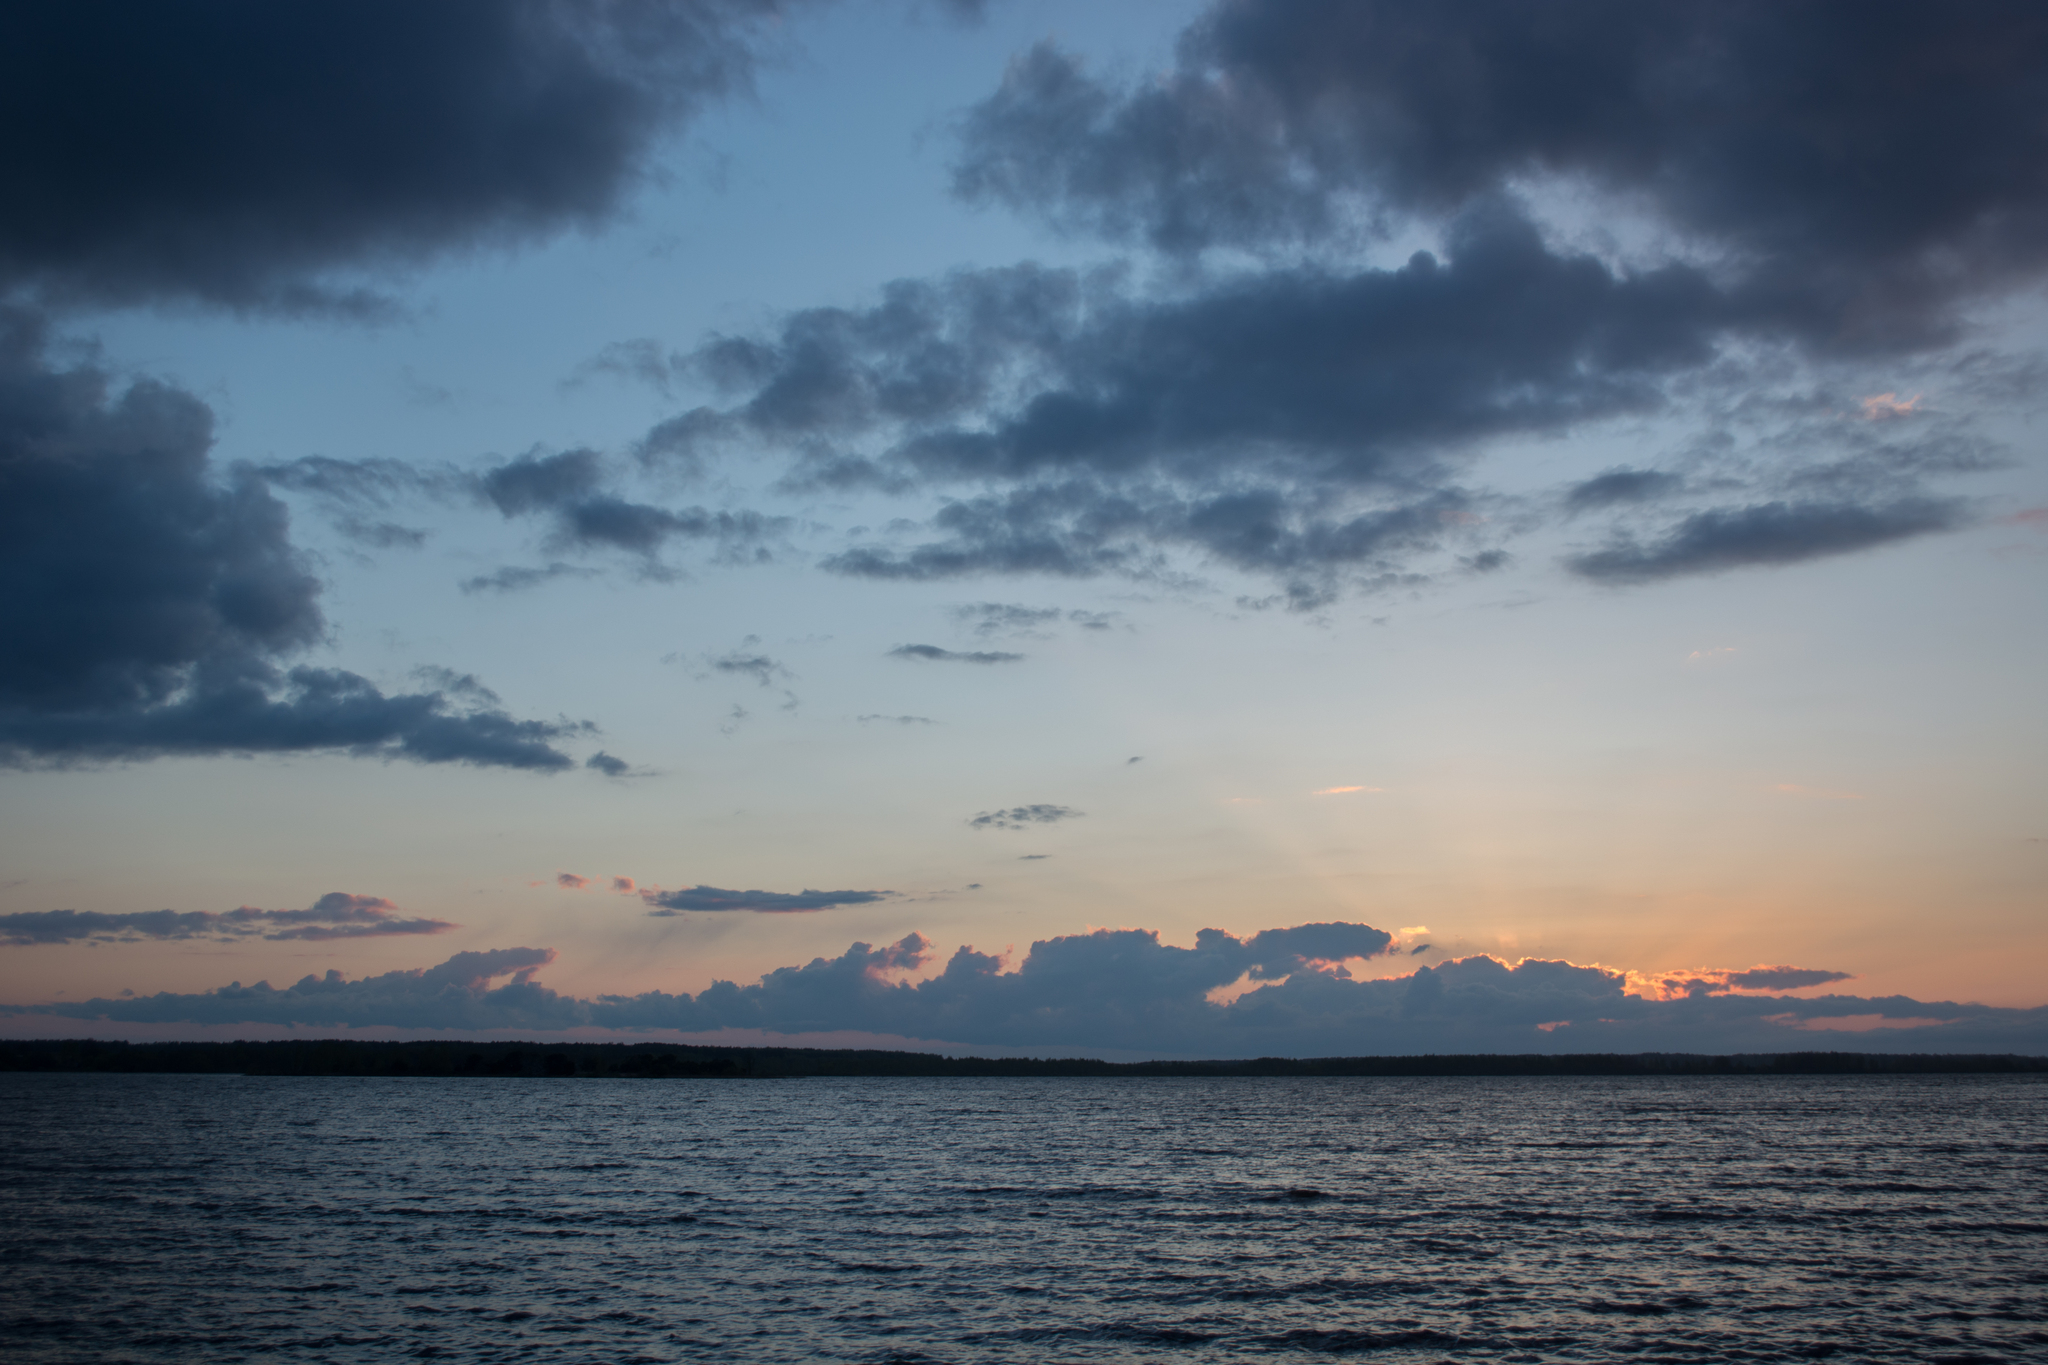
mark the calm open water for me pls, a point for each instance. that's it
(208, 1218)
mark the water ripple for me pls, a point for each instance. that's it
(1699, 1219)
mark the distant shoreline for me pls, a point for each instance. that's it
(659, 1061)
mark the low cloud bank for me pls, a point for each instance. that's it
(1124, 989)
(335, 915)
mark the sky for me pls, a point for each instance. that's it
(1149, 530)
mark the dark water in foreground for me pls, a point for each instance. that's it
(211, 1218)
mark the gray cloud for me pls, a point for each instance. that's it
(1304, 424)
(335, 915)
(1781, 978)
(641, 358)
(240, 153)
(362, 485)
(1620, 487)
(1835, 184)
(1772, 533)
(147, 605)
(759, 667)
(1011, 618)
(603, 762)
(517, 578)
(717, 899)
(1859, 167)
(1023, 817)
(455, 994)
(1001, 618)
(933, 654)
(896, 720)
(571, 490)
(1125, 989)
(1354, 376)
(382, 535)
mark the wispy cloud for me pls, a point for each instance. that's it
(714, 900)
(933, 654)
(1886, 407)
(1023, 817)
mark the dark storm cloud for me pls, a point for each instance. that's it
(147, 605)
(1770, 533)
(1123, 988)
(712, 898)
(933, 654)
(1023, 817)
(1861, 166)
(336, 915)
(603, 762)
(239, 152)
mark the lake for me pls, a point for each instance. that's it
(222, 1218)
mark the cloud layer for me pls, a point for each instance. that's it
(1804, 193)
(933, 654)
(1124, 989)
(1023, 817)
(335, 915)
(717, 899)
(1856, 169)
(149, 606)
(237, 152)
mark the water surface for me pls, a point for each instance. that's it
(216, 1218)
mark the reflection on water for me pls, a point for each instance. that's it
(206, 1218)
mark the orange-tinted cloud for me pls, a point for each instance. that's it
(1686, 983)
(1885, 407)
